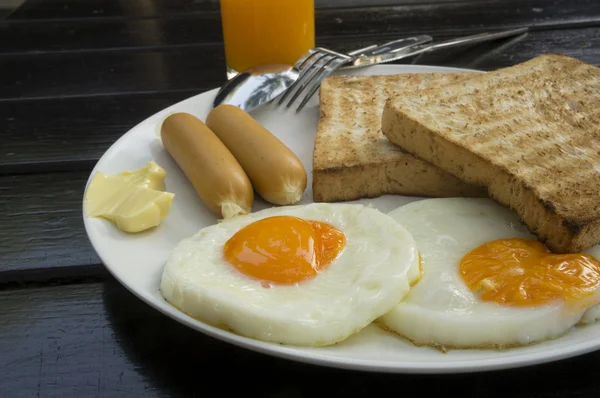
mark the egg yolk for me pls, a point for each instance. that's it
(524, 272)
(284, 249)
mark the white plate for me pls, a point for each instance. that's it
(137, 260)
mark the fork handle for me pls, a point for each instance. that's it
(396, 45)
(478, 38)
(362, 51)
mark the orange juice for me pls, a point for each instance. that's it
(266, 31)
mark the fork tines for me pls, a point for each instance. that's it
(314, 66)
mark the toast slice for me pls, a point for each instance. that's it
(529, 133)
(352, 159)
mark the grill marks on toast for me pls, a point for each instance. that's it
(352, 159)
(530, 133)
(352, 125)
(352, 132)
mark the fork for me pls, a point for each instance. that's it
(320, 62)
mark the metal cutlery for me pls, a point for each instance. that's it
(258, 86)
(416, 49)
(320, 62)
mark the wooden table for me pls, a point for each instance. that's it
(77, 74)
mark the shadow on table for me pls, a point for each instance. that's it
(178, 361)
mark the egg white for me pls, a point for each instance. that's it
(369, 277)
(441, 310)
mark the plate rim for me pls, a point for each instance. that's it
(315, 358)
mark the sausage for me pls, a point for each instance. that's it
(218, 178)
(276, 173)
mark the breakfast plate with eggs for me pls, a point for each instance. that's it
(208, 216)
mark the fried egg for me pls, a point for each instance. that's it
(486, 281)
(306, 275)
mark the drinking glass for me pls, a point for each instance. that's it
(258, 32)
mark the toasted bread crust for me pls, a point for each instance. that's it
(405, 176)
(352, 159)
(529, 133)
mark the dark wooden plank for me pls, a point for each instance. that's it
(70, 9)
(41, 215)
(7, 7)
(174, 69)
(66, 9)
(583, 44)
(98, 340)
(109, 34)
(72, 133)
(42, 226)
(463, 16)
(69, 134)
(385, 22)
(109, 73)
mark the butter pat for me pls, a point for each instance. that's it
(134, 200)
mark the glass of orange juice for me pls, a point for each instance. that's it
(259, 32)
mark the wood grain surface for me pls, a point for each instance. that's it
(42, 222)
(204, 28)
(75, 75)
(70, 134)
(98, 340)
(133, 9)
(79, 115)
